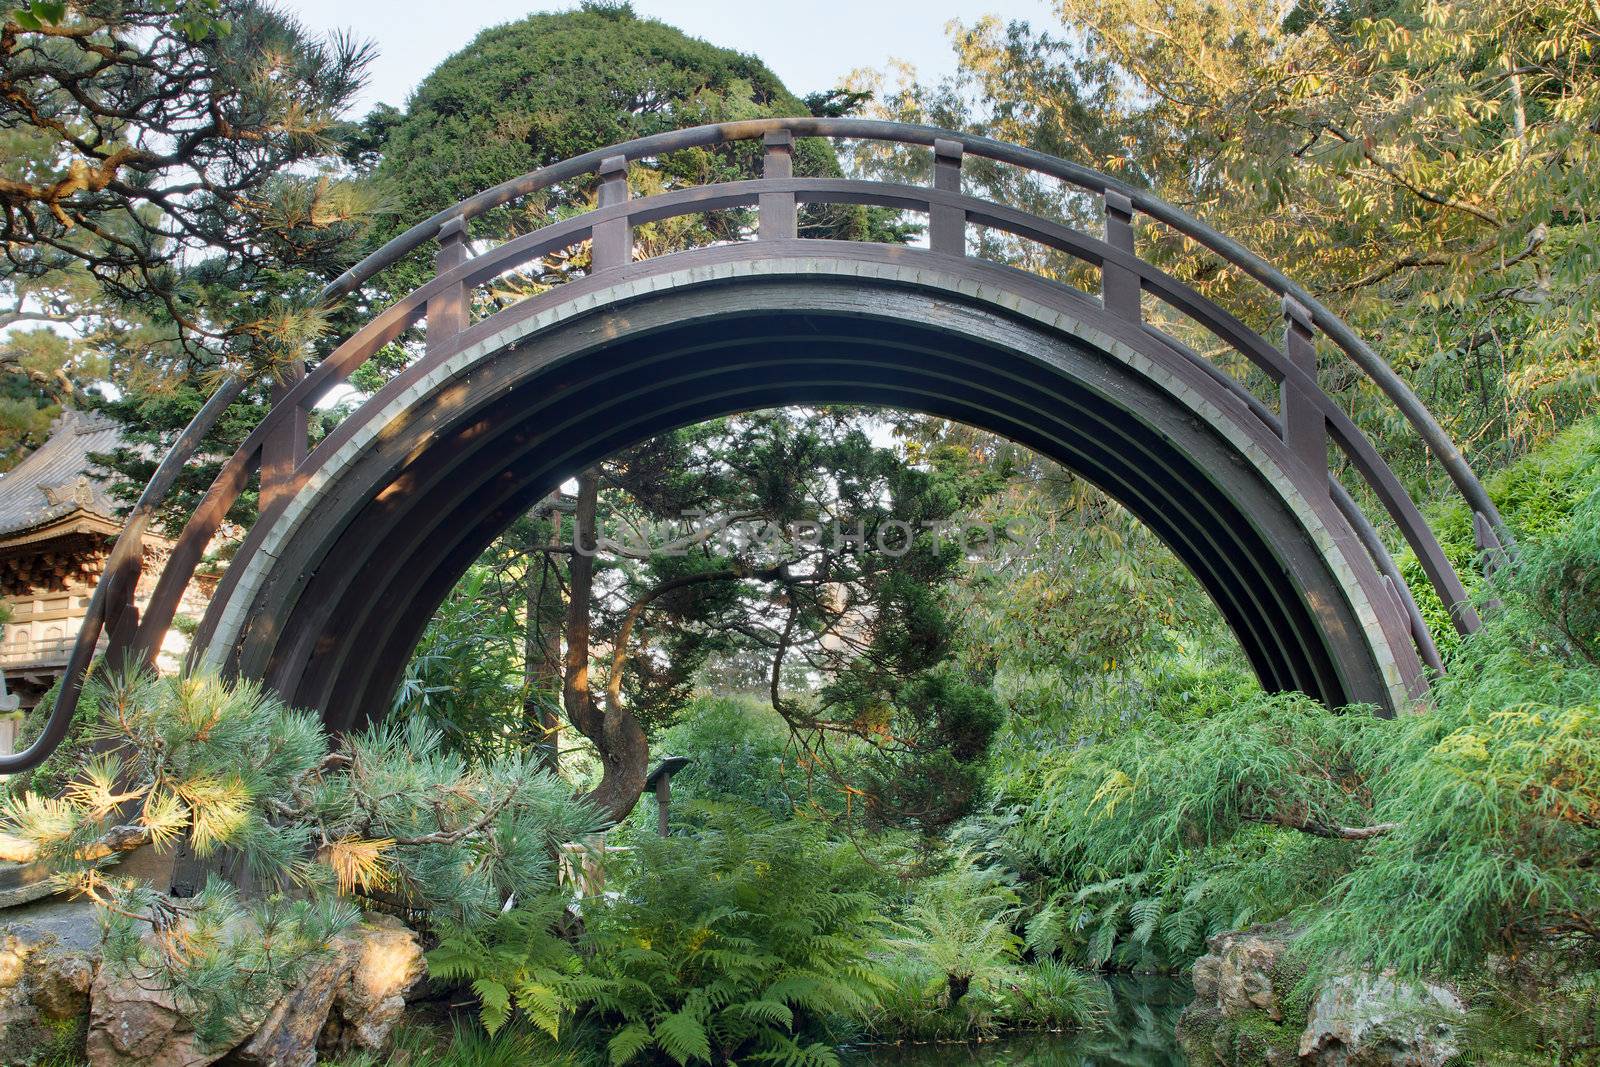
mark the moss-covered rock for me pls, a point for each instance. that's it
(1254, 1007)
(48, 954)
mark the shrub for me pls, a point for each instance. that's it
(957, 972)
(1495, 793)
(1536, 496)
(736, 748)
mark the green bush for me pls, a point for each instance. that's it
(1536, 496)
(957, 971)
(1494, 793)
(737, 750)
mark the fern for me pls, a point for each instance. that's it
(743, 937)
(628, 1043)
(682, 1037)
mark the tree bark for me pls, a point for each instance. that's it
(620, 740)
(541, 650)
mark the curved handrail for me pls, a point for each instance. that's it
(112, 600)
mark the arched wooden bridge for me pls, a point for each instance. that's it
(360, 538)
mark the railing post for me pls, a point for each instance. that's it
(447, 312)
(947, 226)
(285, 443)
(777, 219)
(612, 243)
(1305, 428)
(1119, 286)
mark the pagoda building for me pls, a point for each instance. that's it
(57, 525)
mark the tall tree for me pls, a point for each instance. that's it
(1425, 167)
(791, 543)
(165, 135)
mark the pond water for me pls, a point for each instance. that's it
(1137, 1032)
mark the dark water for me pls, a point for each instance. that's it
(1137, 1032)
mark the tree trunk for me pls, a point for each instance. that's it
(541, 648)
(623, 749)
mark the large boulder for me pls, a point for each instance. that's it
(349, 1000)
(1376, 1021)
(48, 954)
(387, 965)
(1237, 971)
(135, 1023)
(56, 999)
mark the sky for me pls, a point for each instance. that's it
(810, 44)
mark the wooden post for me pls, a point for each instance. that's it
(612, 243)
(447, 312)
(776, 219)
(663, 799)
(947, 226)
(1119, 286)
(285, 445)
(1305, 428)
(659, 781)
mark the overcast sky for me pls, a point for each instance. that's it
(811, 44)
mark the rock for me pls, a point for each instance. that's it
(130, 1024)
(288, 1037)
(61, 991)
(350, 1002)
(1247, 1010)
(56, 998)
(23, 883)
(14, 849)
(48, 954)
(1240, 985)
(1376, 1021)
(1239, 968)
(367, 1007)
(134, 1020)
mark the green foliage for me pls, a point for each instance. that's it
(957, 972)
(513, 961)
(168, 267)
(938, 725)
(224, 960)
(961, 925)
(1145, 830)
(466, 675)
(738, 752)
(743, 940)
(1495, 790)
(552, 86)
(463, 1045)
(1536, 496)
(1428, 843)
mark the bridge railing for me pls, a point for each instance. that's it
(1307, 419)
